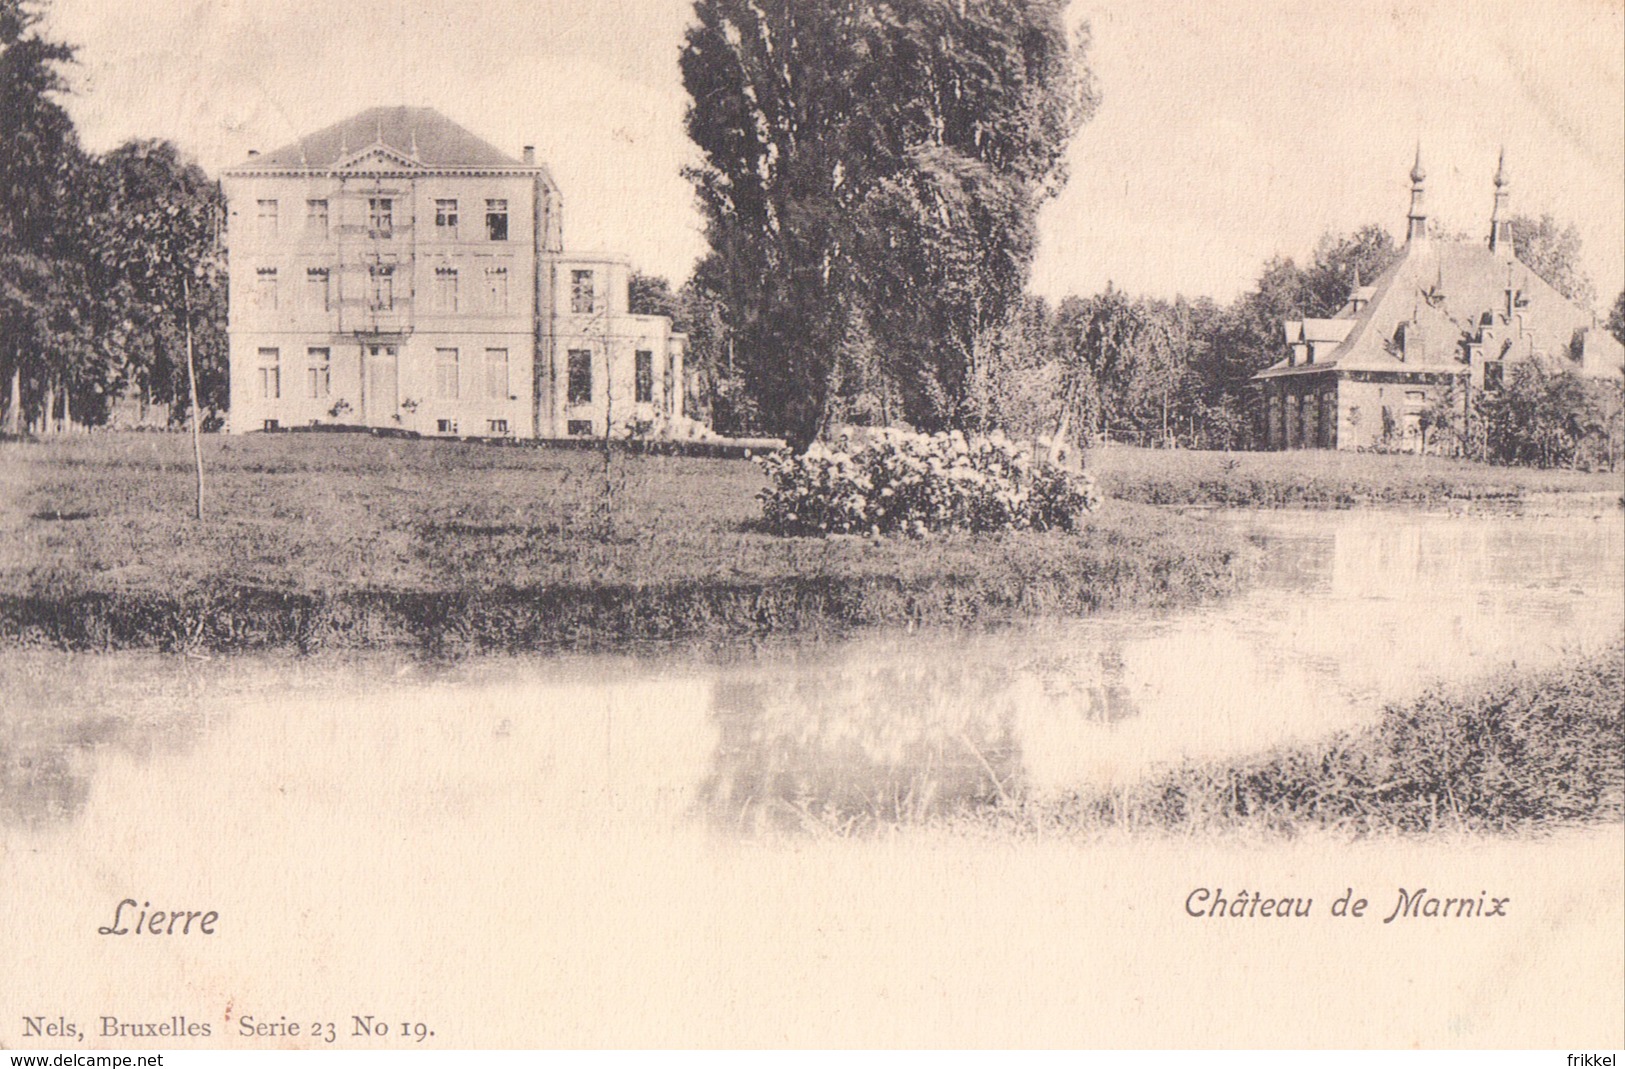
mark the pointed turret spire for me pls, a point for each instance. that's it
(1417, 230)
(1500, 224)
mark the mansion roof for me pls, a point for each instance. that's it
(398, 137)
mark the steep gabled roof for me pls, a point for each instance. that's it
(1442, 291)
(420, 135)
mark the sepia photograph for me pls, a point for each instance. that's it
(810, 524)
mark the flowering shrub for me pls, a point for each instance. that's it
(917, 483)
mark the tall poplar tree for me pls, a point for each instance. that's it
(874, 168)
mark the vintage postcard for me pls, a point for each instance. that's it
(812, 523)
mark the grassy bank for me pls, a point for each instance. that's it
(1526, 751)
(318, 541)
(1323, 478)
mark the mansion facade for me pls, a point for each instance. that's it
(396, 271)
(1447, 316)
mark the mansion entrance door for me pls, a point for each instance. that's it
(380, 399)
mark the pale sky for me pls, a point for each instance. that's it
(1227, 133)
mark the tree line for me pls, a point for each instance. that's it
(107, 262)
(869, 179)
(1177, 373)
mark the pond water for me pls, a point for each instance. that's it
(1351, 610)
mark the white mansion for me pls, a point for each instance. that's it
(396, 271)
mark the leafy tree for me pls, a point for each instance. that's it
(40, 167)
(1340, 260)
(1616, 318)
(158, 231)
(651, 295)
(1553, 253)
(1551, 417)
(1095, 334)
(1016, 379)
(873, 168)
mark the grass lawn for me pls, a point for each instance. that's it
(347, 540)
(1323, 478)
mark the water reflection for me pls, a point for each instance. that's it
(1352, 609)
(827, 747)
(59, 714)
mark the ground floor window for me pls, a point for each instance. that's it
(446, 426)
(270, 373)
(497, 426)
(496, 374)
(579, 428)
(318, 373)
(445, 374)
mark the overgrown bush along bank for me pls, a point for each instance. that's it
(1317, 478)
(1527, 751)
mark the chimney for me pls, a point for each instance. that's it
(530, 154)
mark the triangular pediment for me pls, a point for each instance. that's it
(375, 157)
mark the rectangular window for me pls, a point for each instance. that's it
(445, 217)
(580, 387)
(318, 376)
(496, 288)
(445, 374)
(265, 295)
(496, 374)
(579, 428)
(318, 290)
(581, 291)
(446, 426)
(382, 297)
(445, 289)
(496, 220)
(645, 375)
(497, 426)
(268, 218)
(316, 218)
(381, 216)
(270, 374)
